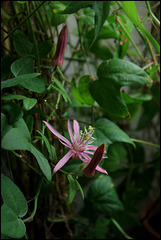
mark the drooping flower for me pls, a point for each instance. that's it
(80, 145)
(59, 54)
(89, 170)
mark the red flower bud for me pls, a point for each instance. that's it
(89, 170)
(62, 41)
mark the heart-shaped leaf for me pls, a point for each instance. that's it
(103, 196)
(11, 225)
(13, 197)
(113, 75)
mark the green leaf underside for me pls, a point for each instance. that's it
(113, 75)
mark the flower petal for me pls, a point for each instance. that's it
(63, 161)
(76, 129)
(92, 147)
(56, 133)
(70, 131)
(69, 146)
(86, 156)
(102, 170)
(84, 160)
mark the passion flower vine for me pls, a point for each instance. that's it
(80, 146)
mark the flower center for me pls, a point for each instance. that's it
(84, 140)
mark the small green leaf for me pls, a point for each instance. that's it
(22, 44)
(18, 80)
(103, 196)
(29, 103)
(11, 225)
(42, 161)
(15, 140)
(13, 197)
(61, 89)
(108, 132)
(74, 186)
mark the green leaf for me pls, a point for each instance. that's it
(99, 229)
(129, 8)
(13, 197)
(101, 51)
(103, 197)
(50, 148)
(75, 6)
(58, 19)
(5, 127)
(6, 62)
(42, 161)
(116, 153)
(21, 125)
(102, 9)
(23, 65)
(22, 79)
(113, 75)
(44, 49)
(74, 186)
(82, 94)
(15, 140)
(13, 110)
(11, 225)
(72, 166)
(108, 132)
(27, 102)
(22, 44)
(37, 85)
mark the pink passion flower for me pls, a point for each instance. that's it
(80, 145)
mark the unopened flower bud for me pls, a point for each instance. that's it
(62, 41)
(89, 170)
